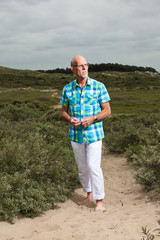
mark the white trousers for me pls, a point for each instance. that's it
(88, 159)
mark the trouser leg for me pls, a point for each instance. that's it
(83, 171)
(94, 151)
(88, 158)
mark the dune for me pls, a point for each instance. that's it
(128, 210)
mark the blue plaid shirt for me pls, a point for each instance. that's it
(84, 103)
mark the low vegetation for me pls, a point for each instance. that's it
(37, 167)
(138, 137)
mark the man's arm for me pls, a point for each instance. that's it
(106, 112)
(74, 121)
(65, 114)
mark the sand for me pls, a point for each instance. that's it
(128, 210)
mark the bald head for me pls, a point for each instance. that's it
(77, 59)
(79, 67)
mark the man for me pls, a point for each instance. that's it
(85, 103)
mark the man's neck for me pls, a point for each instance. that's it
(82, 82)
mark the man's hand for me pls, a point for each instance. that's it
(87, 121)
(75, 122)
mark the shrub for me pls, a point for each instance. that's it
(21, 112)
(138, 138)
(37, 167)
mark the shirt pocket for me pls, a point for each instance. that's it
(92, 99)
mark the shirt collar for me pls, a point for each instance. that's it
(75, 84)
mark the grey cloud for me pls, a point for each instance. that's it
(107, 30)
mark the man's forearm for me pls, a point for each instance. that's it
(66, 116)
(106, 112)
(103, 114)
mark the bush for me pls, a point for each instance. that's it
(37, 167)
(138, 138)
(21, 112)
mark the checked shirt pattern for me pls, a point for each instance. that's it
(84, 103)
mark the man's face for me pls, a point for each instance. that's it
(80, 68)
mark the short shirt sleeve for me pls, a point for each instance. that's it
(64, 99)
(103, 96)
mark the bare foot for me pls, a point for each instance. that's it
(86, 200)
(99, 206)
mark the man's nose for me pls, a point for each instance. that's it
(84, 66)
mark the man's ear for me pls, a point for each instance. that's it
(72, 69)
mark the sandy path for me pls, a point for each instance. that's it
(128, 209)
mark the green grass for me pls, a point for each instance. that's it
(19, 95)
(135, 101)
(130, 80)
(12, 78)
(130, 92)
(37, 166)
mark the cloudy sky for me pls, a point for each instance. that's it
(46, 34)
